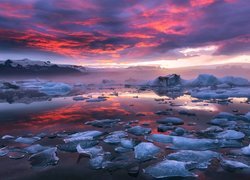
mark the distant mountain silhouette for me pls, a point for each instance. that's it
(29, 67)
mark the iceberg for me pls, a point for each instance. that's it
(52, 89)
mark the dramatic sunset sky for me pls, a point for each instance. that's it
(170, 33)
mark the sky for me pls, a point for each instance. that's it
(169, 33)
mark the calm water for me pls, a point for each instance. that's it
(65, 114)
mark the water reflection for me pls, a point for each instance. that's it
(65, 113)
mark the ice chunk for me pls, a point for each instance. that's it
(187, 113)
(27, 140)
(122, 149)
(127, 143)
(92, 152)
(200, 158)
(164, 128)
(145, 151)
(212, 129)
(4, 151)
(71, 146)
(159, 138)
(246, 150)
(44, 158)
(115, 137)
(171, 120)
(35, 148)
(104, 123)
(16, 154)
(169, 168)
(96, 100)
(226, 115)
(247, 115)
(139, 131)
(179, 131)
(52, 88)
(79, 98)
(184, 143)
(222, 122)
(119, 162)
(87, 135)
(96, 162)
(193, 144)
(230, 134)
(231, 165)
(7, 137)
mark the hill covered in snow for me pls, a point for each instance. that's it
(30, 67)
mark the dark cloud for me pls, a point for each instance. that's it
(123, 30)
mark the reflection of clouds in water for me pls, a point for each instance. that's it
(78, 112)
